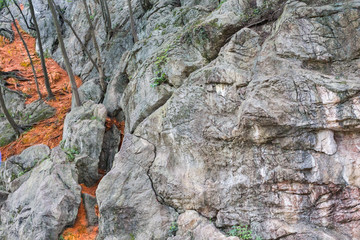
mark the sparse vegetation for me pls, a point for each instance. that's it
(243, 232)
(70, 152)
(160, 75)
(173, 229)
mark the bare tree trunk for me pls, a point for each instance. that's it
(78, 38)
(65, 56)
(22, 14)
(132, 22)
(106, 17)
(26, 48)
(43, 64)
(97, 49)
(18, 130)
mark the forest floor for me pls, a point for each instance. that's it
(49, 131)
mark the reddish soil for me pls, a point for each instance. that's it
(49, 131)
(80, 230)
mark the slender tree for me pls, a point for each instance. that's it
(43, 64)
(22, 14)
(26, 48)
(97, 49)
(65, 56)
(132, 22)
(18, 130)
(107, 19)
(78, 38)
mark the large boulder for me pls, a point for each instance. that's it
(46, 202)
(23, 114)
(16, 169)
(132, 208)
(84, 130)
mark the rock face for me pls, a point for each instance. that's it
(83, 137)
(132, 208)
(260, 130)
(46, 201)
(110, 148)
(23, 114)
(239, 113)
(16, 169)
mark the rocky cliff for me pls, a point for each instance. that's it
(237, 113)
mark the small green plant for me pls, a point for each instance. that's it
(70, 152)
(173, 229)
(61, 237)
(46, 54)
(160, 75)
(96, 118)
(132, 237)
(243, 232)
(221, 3)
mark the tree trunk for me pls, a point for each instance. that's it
(132, 22)
(65, 56)
(78, 38)
(106, 17)
(22, 14)
(18, 130)
(43, 64)
(97, 49)
(26, 48)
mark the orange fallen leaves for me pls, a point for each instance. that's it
(49, 131)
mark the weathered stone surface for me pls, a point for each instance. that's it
(36, 111)
(114, 93)
(87, 169)
(124, 210)
(110, 148)
(84, 129)
(14, 171)
(3, 196)
(256, 122)
(258, 136)
(44, 204)
(7, 132)
(193, 226)
(23, 114)
(90, 203)
(90, 91)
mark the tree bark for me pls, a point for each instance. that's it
(65, 56)
(132, 22)
(26, 49)
(18, 130)
(42, 58)
(22, 14)
(106, 17)
(97, 49)
(78, 38)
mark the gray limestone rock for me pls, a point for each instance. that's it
(87, 169)
(44, 204)
(90, 91)
(90, 203)
(124, 209)
(23, 114)
(256, 121)
(15, 170)
(110, 148)
(84, 130)
(193, 226)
